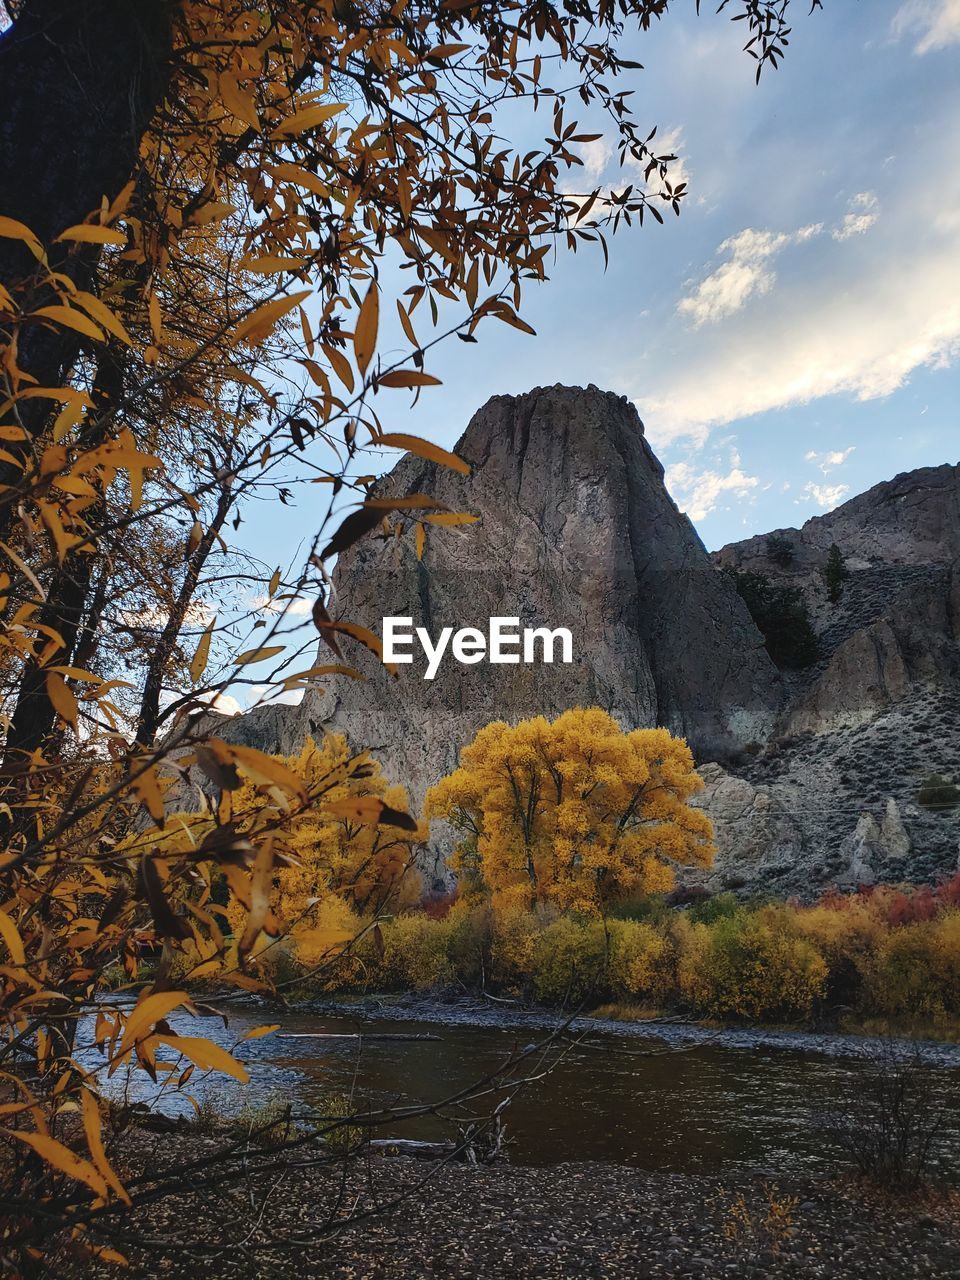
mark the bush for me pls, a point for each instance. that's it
(938, 793)
(652, 907)
(781, 617)
(888, 1120)
(641, 961)
(720, 907)
(514, 942)
(570, 961)
(415, 953)
(750, 965)
(919, 969)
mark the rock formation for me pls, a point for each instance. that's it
(811, 776)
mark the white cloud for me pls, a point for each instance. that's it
(296, 608)
(746, 274)
(848, 324)
(827, 461)
(697, 492)
(199, 614)
(861, 216)
(935, 23)
(259, 695)
(824, 495)
(225, 703)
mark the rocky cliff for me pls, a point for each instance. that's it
(811, 776)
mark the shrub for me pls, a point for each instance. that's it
(415, 953)
(888, 1119)
(652, 907)
(849, 936)
(781, 616)
(938, 793)
(570, 960)
(719, 907)
(750, 965)
(641, 961)
(514, 941)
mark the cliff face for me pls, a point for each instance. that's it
(811, 777)
(913, 519)
(575, 530)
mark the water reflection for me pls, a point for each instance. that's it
(699, 1110)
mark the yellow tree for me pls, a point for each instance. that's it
(339, 864)
(576, 812)
(296, 147)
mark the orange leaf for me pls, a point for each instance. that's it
(62, 1158)
(368, 322)
(423, 449)
(62, 699)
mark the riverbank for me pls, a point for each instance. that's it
(455, 1221)
(466, 1011)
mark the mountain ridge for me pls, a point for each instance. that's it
(577, 529)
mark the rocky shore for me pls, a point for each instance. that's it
(567, 1220)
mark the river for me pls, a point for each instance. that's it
(688, 1104)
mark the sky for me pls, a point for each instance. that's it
(793, 337)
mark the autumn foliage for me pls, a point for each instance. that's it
(198, 202)
(575, 812)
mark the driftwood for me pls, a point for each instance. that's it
(417, 1150)
(355, 1035)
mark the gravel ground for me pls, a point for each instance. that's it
(508, 1221)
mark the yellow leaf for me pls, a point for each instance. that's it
(423, 449)
(267, 1030)
(238, 102)
(365, 636)
(147, 787)
(93, 1128)
(309, 118)
(148, 1012)
(199, 663)
(207, 1055)
(408, 378)
(62, 1158)
(363, 809)
(421, 540)
(11, 229)
(265, 770)
(102, 313)
(260, 323)
(260, 884)
(90, 233)
(73, 319)
(259, 655)
(62, 699)
(11, 936)
(365, 336)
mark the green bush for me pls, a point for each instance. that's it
(720, 907)
(937, 792)
(570, 961)
(781, 617)
(750, 965)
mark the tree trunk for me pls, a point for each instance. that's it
(79, 82)
(149, 718)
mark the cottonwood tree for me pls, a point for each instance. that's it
(575, 813)
(197, 201)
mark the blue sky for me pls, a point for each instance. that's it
(793, 337)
